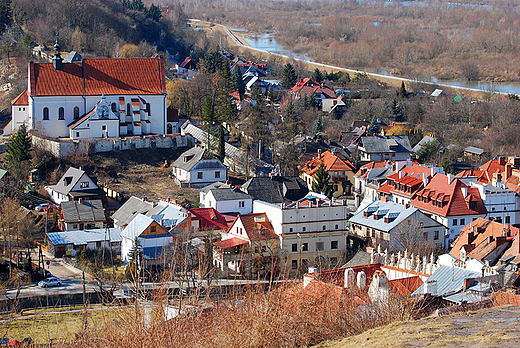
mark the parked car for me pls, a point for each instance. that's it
(48, 282)
(46, 206)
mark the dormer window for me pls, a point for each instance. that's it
(473, 205)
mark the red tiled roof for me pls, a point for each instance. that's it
(455, 204)
(80, 120)
(332, 163)
(21, 99)
(256, 226)
(230, 243)
(405, 286)
(365, 169)
(209, 219)
(139, 124)
(411, 176)
(101, 76)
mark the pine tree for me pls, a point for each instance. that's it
(397, 110)
(209, 118)
(238, 81)
(321, 183)
(6, 15)
(18, 148)
(402, 91)
(374, 126)
(289, 77)
(134, 255)
(317, 76)
(221, 144)
(317, 127)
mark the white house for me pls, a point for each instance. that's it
(75, 184)
(93, 98)
(312, 231)
(198, 168)
(228, 200)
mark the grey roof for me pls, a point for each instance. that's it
(229, 194)
(165, 214)
(214, 185)
(86, 211)
(3, 172)
(387, 210)
(276, 189)
(361, 258)
(465, 296)
(474, 150)
(391, 143)
(188, 159)
(436, 93)
(449, 280)
(136, 227)
(68, 181)
(83, 237)
(235, 154)
(425, 140)
(73, 57)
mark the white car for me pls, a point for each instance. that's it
(48, 282)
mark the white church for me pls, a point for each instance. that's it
(93, 98)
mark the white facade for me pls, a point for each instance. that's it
(202, 173)
(242, 205)
(500, 202)
(84, 184)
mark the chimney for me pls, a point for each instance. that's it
(401, 174)
(500, 240)
(470, 237)
(508, 171)
(501, 161)
(425, 179)
(468, 282)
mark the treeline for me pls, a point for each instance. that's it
(440, 40)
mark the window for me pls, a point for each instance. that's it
(334, 244)
(113, 107)
(454, 222)
(61, 114)
(294, 247)
(303, 229)
(436, 235)
(425, 235)
(290, 229)
(336, 227)
(217, 175)
(462, 222)
(319, 246)
(128, 110)
(84, 184)
(104, 127)
(324, 227)
(294, 264)
(76, 112)
(333, 261)
(45, 113)
(305, 246)
(241, 204)
(473, 205)
(199, 175)
(77, 134)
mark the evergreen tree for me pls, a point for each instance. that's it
(221, 144)
(154, 12)
(256, 94)
(18, 148)
(290, 121)
(321, 183)
(134, 255)
(317, 76)
(6, 15)
(397, 110)
(317, 127)
(374, 126)
(238, 81)
(402, 91)
(289, 77)
(208, 118)
(272, 95)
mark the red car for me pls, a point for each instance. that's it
(45, 207)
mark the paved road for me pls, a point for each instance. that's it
(238, 42)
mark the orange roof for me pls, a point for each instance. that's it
(365, 169)
(230, 243)
(21, 99)
(410, 178)
(447, 198)
(405, 286)
(99, 76)
(332, 163)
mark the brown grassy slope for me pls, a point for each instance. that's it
(496, 327)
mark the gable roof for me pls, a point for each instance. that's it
(135, 206)
(137, 226)
(390, 215)
(209, 219)
(188, 159)
(21, 99)
(390, 143)
(116, 76)
(449, 280)
(331, 161)
(86, 211)
(276, 189)
(408, 180)
(446, 195)
(68, 181)
(256, 226)
(229, 194)
(425, 140)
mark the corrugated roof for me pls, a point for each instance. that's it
(86, 211)
(449, 280)
(230, 243)
(83, 237)
(117, 76)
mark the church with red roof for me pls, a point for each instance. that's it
(92, 98)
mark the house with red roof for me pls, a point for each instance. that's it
(307, 88)
(451, 202)
(248, 245)
(500, 168)
(341, 172)
(93, 98)
(207, 220)
(402, 186)
(187, 68)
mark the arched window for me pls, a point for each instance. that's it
(61, 114)
(128, 110)
(113, 107)
(76, 112)
(45, 113)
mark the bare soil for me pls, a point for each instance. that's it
(495, 327)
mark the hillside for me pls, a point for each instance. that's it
(495, 327)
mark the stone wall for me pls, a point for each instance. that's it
(68, 148)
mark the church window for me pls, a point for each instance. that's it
(45, 113)
(76, 112)
(113, 107)
(128, 110)
(61, 114)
